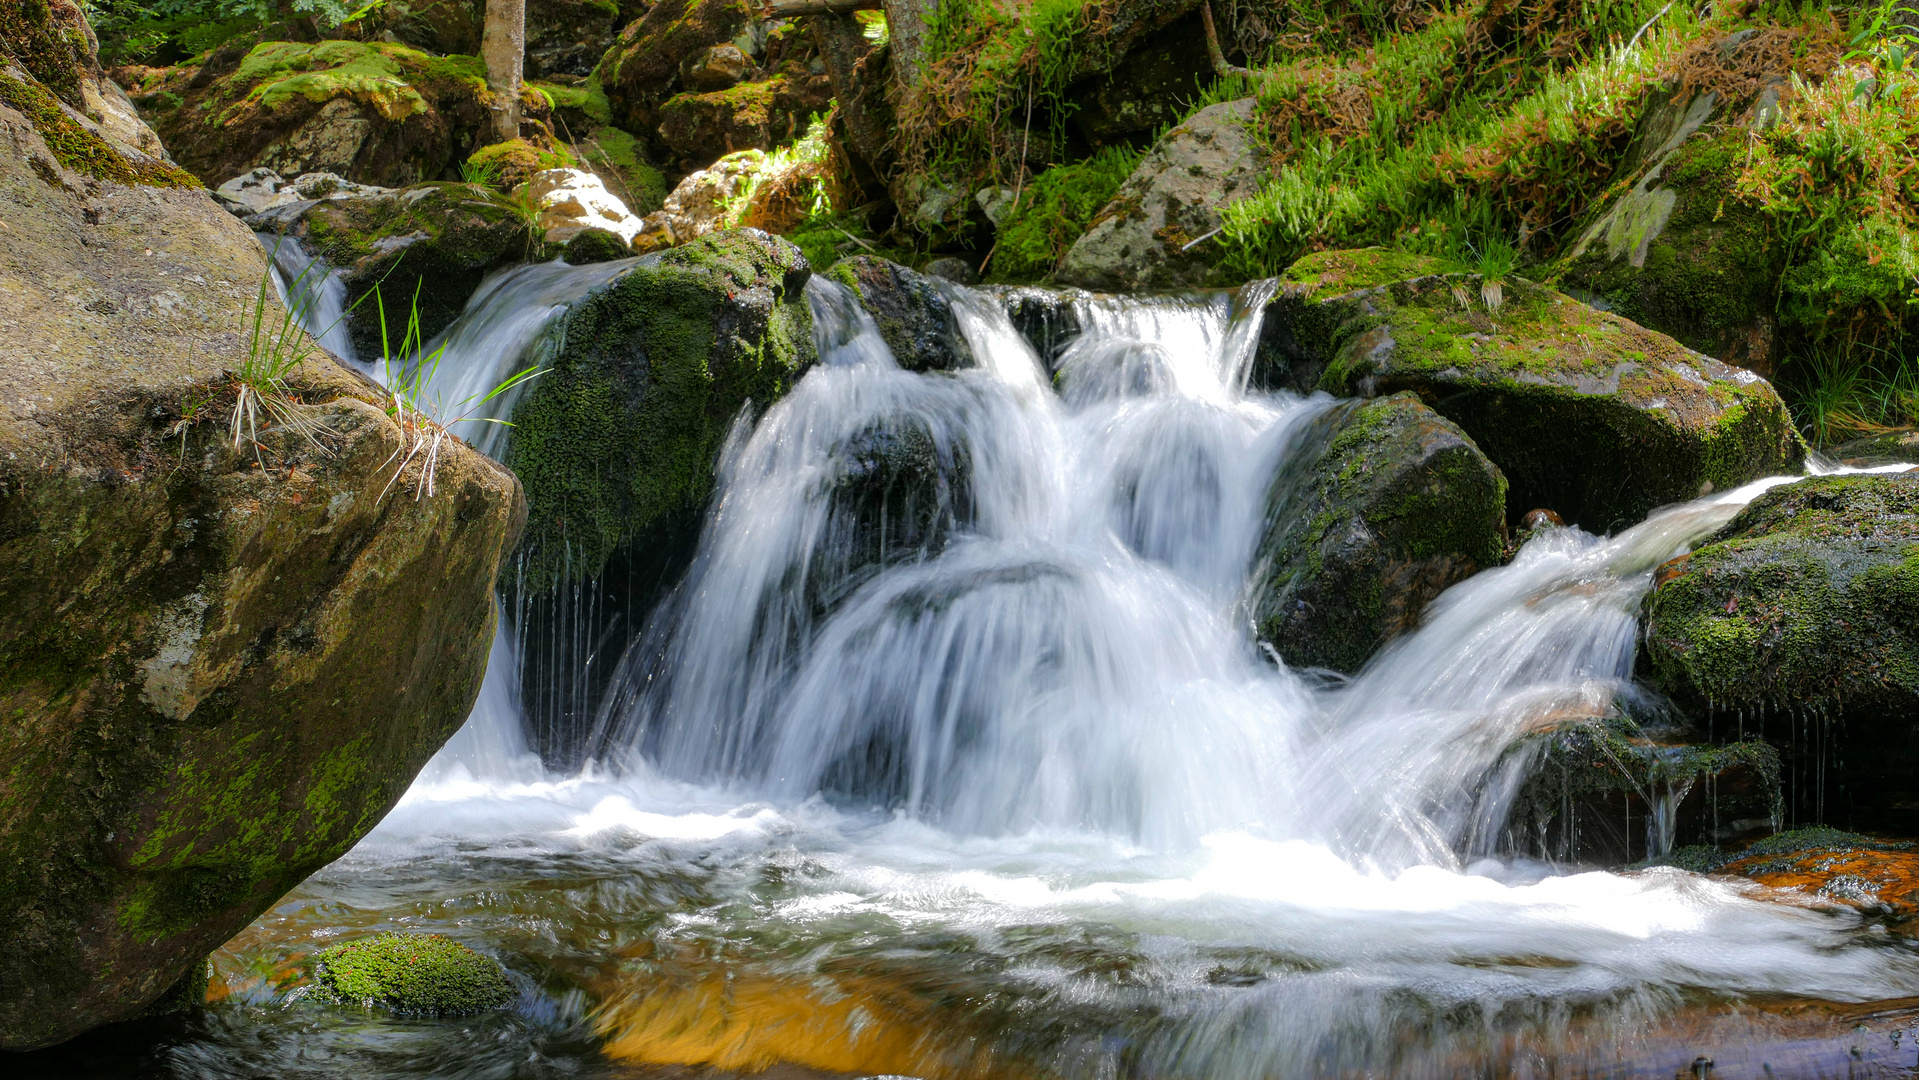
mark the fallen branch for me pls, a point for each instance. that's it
(1657, 15)
(793, 9)
(1220, 67)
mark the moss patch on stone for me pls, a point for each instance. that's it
(411, 974)
(651, 372)
(81, 150)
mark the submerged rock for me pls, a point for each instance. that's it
(1808, 601)
(220, 667)
(1830, 867)
(899, 493)
(1145, 239)
(1585, 412)
(914, 313)
(423, 975)
(1380, 507)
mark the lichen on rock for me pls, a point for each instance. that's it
(1378, 507)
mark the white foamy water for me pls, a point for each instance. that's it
(1022, 752)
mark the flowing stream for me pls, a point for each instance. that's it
(1012, 791)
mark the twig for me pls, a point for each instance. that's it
(1220, 66)
(1190, 244)
(1656, 16)
(857, 240)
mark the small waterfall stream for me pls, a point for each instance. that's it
(959, 703)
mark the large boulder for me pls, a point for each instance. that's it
(373, 112)
(219, 667)
(914, 313)
(1379, 507)
(1145, 238)
(434, 241)
(698, 126)
(1587, 413)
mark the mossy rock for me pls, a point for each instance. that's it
(1588, 796)
(760, 115)
(219, 669)
(434, 241)
(1680, 253)
(373, 112)
(913, 311)
(641, 70)
(651, 372)
(1587, 413)
(595, 246)
(1378, 508)
(423, 975)
(1808, 599)
(1801, 618)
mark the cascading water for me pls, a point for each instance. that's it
(313, 292)
(953, 755)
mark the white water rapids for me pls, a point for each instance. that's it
(1038, 795)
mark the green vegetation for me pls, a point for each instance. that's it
(1054, 210)
(79, 149)
(411, 974)
(168, 31)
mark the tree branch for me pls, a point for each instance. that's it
(1220, 67)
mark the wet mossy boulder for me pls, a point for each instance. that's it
(373, 112)
(219, 667)
(1808, 600)
(914, 313)
(621, 435)
(1587, 413)
(1378, 507)
(1047, 318)
(595, 246)
(423, 975)
(436, 241)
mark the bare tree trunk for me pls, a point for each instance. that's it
(503, 47)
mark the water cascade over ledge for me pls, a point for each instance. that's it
(959, 702)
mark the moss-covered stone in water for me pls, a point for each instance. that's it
(1588, 414)
(411, 974)
(651, 373)
(1809, 598)
(912, 311)
(1376, 511)
(595, 246)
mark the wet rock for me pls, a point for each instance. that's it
(423, 975)
(957, 271)
(899, 493)
(1379, 507)
(1584, 411)
(1046, 318)
(222, 667)
(1889, 448)
(1140, 241)
(372, 112)
(433, 241)
(1806, 607)
(914, 313)
(1606, 791)
(573, 201)
(1830, 868)
(625, 428)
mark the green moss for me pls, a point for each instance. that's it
(619, 152)
(1806, 600)
(1054, 210)
(623, 433)
(81, 150)
(411, 974)
(514, 161)
(588, 100)
(50, 53)
(594, 246)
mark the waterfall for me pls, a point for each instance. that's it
(313, 292)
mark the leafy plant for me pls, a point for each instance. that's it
(423, 419)
(482, 173)
(275, 346)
